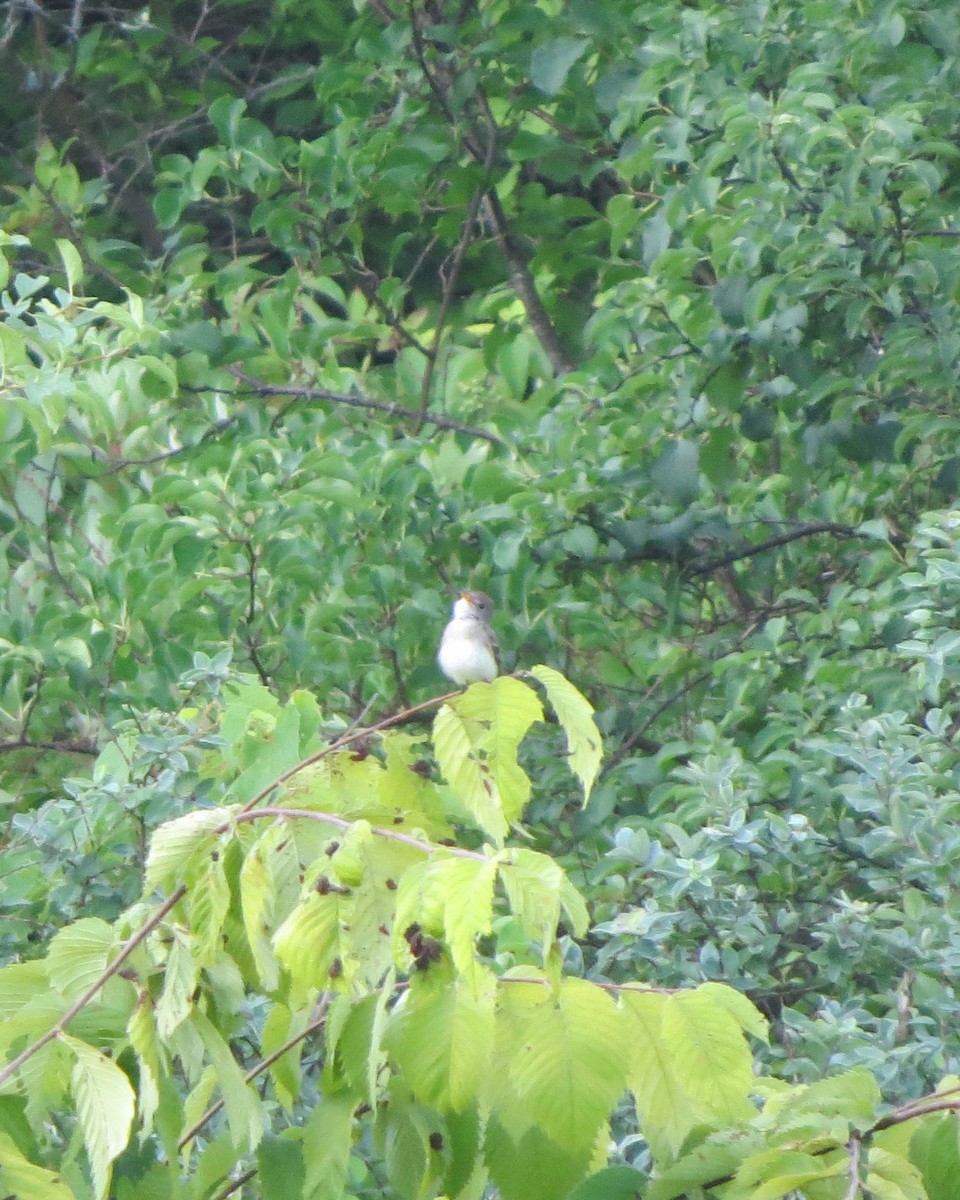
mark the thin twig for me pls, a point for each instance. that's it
(356, 400)
(259, 1068)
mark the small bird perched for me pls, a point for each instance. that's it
(468, 648)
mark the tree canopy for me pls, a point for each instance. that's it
(643, 318)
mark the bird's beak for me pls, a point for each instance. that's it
(468, 596)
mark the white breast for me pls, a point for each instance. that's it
(464, 657)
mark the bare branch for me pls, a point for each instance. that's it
(355, 400)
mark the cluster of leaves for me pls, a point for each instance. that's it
(643, 317)
(319, 938)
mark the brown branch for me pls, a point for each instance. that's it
(345, 739)
(522, 282)
(129, 946)
(450, 282)
(325, 818)
(61, 747)
(781, 539)
(853, 1169)
(356, 400)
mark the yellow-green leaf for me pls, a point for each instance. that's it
(105, 1104)
(575, 713)
(173, 843)
(24, 1180)
(561, 1063)
(78, 956)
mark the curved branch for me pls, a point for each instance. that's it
(358, 400)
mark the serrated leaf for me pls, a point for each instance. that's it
(476, 737)
(179, 984)
(743, 1011)
(667, 1110)
(78, 956)
(536, 887)
(470, 778)
(709, 1053)
(24, 1180)
(142, 1032)
(773, 1173)
(208, 902)
(105, 1104)
(442, 1039)
(561, 1062)
(173, 843)
(309, 940)
(575, 714)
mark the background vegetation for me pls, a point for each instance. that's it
(644, 318)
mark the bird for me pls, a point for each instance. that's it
(468, 648)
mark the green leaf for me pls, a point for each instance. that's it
(561, 1062)
(536, 886)
(326, 1147)
(281, 1168)
(442, 1039)
(476, 738)
(743, 1011)
(245, 1115)
(24, 1180)
(575, 714)
(174, 843)
(710, 1053)
(78, 956)
(179, 984)
(667, 1109)
(310, 939)
(551, 61)
(105, 1104)
(208, 900)
(612, 1183)
(72, 263)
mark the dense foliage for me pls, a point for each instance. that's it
(644, 318)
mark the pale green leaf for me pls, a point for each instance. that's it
(441, 1036)
(561, 1061)
(575, 713)
(893, 1177)
(173, 844)
(208, 901)
(142, 1032)
(470, 779)
(709, 1053)
(20, 983)
(24, 1180)
(667, 1110)
(78, 956)
(309, 940)
(707, 1161)
(536, 889)
(773, 1173)
(465, 886)
(269, 888)
(105, 1104)
(743, 1011)
(179, 984)
(72, 263)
